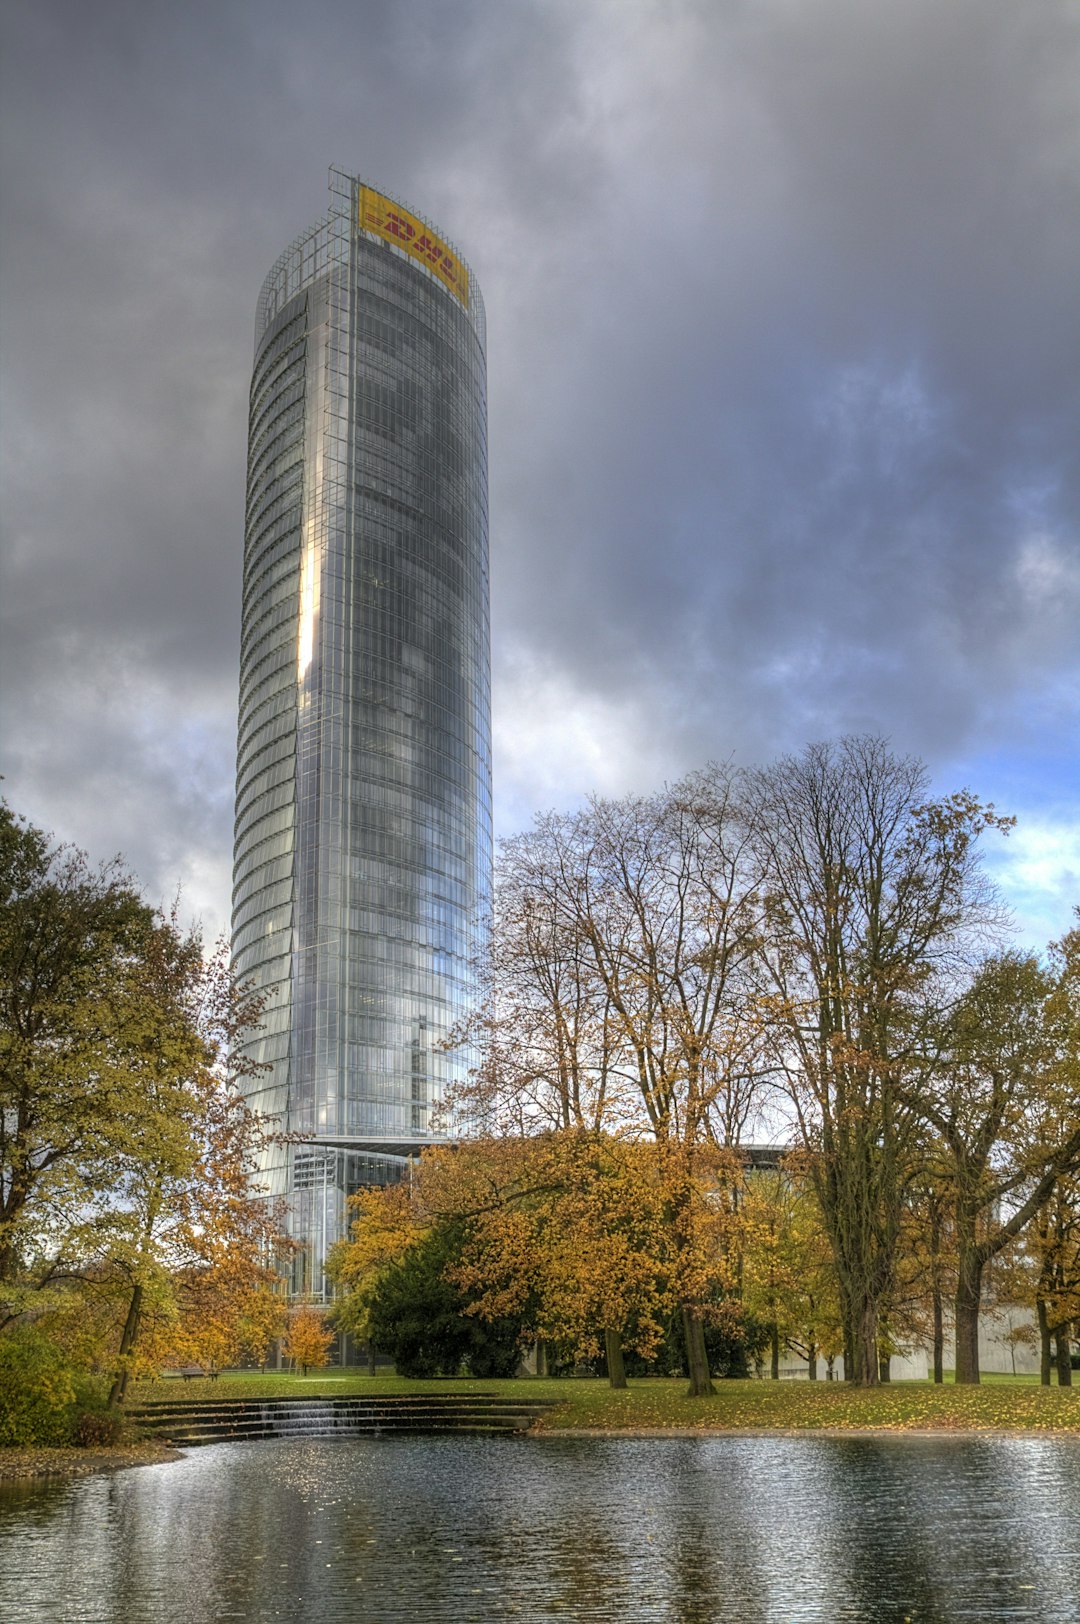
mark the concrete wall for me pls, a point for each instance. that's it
(999, 1354)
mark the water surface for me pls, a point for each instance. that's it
(452, 1530)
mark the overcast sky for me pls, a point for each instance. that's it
(783, 325)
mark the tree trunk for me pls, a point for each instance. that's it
(1045, 1360)
(18, 1194)
(615, 1367)
(850, 1360)
(885, 1368)
(859, 1318)
(830, 1368)
(774, 1348)
(966, 1310)
(371, 1357)
(1064, 1356)
(127, 1342)
(697, 1360)
(939, 1335)
(936, 1306)
(811, 1362)
(865, 1373)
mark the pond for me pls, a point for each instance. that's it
(450, 1530)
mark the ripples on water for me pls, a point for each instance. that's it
(683, 1531)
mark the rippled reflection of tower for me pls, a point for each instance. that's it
(363, 796)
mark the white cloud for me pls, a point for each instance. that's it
(1048, 578)
(555, 744)
(1038, 871)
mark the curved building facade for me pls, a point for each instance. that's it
(363, 796)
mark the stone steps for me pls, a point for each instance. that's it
(193, 1421)
(382, 1400)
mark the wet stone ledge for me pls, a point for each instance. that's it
(192, 1422)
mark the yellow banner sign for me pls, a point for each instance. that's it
(394, 224)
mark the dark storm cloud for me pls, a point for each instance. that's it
(158, 159)
(783, 361)
(821, 434)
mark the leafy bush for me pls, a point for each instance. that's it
(732, 1340)
(97, 1429)
(37, 1390)
(495, 1352)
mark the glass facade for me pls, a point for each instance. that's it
(363, 796)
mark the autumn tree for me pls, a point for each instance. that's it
(181, 1210)
(788, 1283)
(73, 941)
(589, 1240)
(386, 1223)
(214, 1315)
(126, 1149)
(569, 1238)
(308, 1339)
(570, 1233)
(396, 1273)
(1005, 1133)
(1058, 1225)
(1055, 1245)
(261, 1319)
(1017, 1083)
(663, 892)
(872, 893)
(926, 1272)
(651, 901)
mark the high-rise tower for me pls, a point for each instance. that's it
(363, 792)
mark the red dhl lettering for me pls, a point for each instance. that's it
(437, 255)
(377, 215)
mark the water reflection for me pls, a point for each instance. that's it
(684, 1531)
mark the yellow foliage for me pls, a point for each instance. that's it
(308, 1339)
(574, 1233)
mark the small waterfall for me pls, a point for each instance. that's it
(310, 1417)
(219, 1419)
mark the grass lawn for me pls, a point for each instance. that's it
(652, 1403)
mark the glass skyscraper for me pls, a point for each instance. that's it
(363, 793)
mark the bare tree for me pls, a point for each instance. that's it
(549, 1048)
(873, 894)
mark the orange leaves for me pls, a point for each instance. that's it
(573, 1233)
(308, 1339)
(580, 1235)
(386, 1223)
(223, 1316)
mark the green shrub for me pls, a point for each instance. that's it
(419, 1318)
(37, 1389)
(732, 1340)
(495, 1351)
